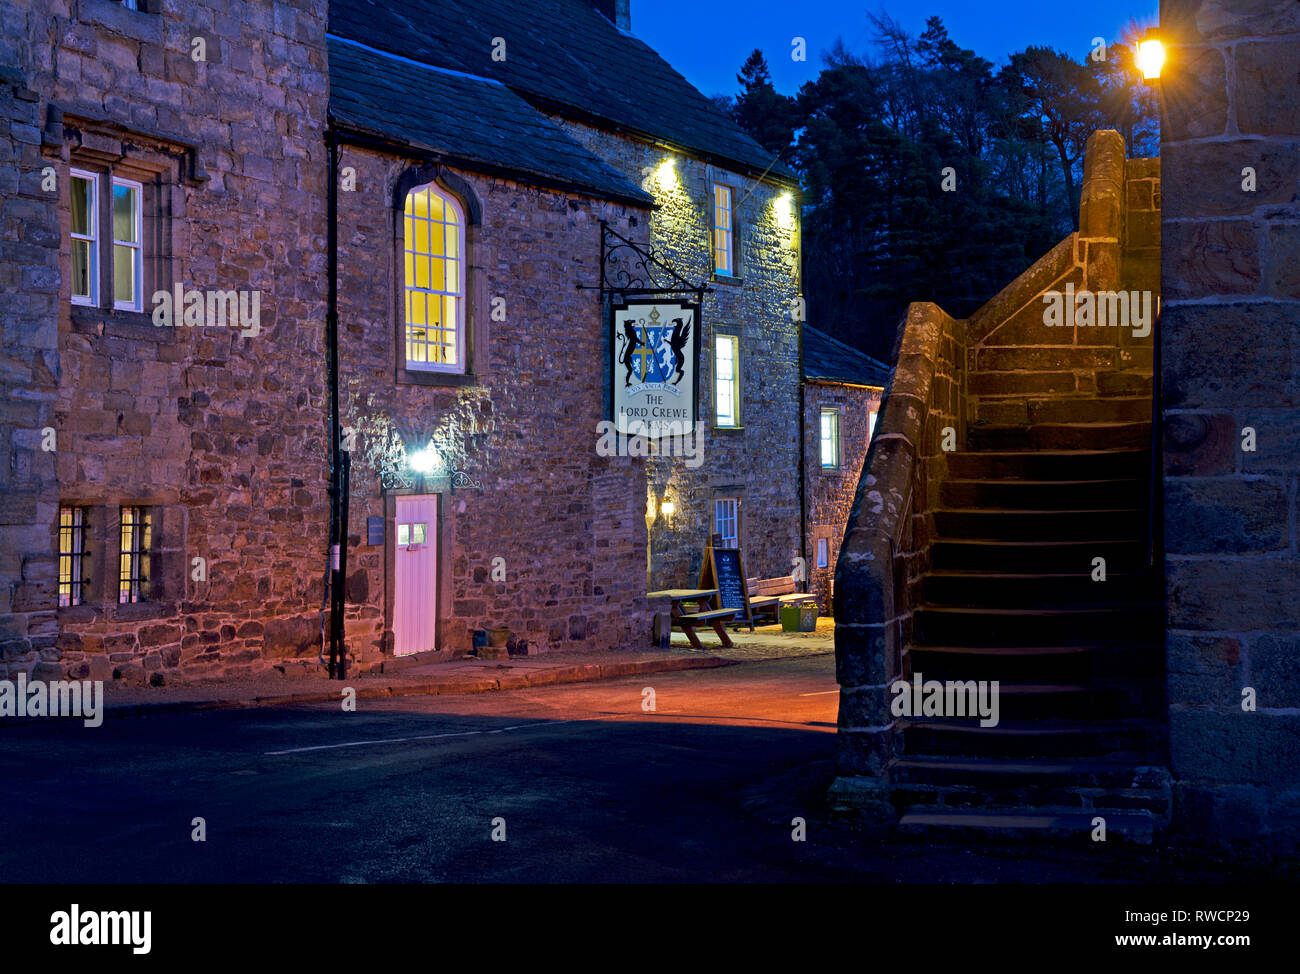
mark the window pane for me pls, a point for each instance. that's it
(82, 208)
(418, 534)
(126, 205)
(124, 259)
(81, 268)
(403, 534)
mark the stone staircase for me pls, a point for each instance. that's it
(1010, 596)
(1011, 453)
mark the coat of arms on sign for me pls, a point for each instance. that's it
(652, 350)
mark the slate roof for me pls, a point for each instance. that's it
(826, 359)
(564, 58)
(477, 122)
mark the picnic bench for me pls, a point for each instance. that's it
(706, 612)
(769, 594)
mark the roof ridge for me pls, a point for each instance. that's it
(412, 61)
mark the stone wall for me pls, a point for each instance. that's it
(1230, 348)
(568, 525)
(887, 548)
(218, 108)
(1020, 369)
(830, 492)
(759, 463)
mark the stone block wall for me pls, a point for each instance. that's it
(830, 493)
(887, 548)
(219, 109)
(568, 525)
(759, 464)
(1230, 364)
(1019, 368)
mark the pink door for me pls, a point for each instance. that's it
(415, 603)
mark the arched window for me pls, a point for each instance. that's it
(435, 281)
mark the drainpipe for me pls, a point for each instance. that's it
(803, 476)
(338, 496)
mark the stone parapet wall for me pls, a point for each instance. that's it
(1230, 363)
(887, 548)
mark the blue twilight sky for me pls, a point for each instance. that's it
(708, 41)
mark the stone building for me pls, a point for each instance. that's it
(167, 507)
(842, 389)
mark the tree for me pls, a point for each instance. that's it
(761, 110)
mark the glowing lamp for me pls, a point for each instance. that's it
(666, 175)
(423, 461)
(1150, 56)
(784, 206)
(666, 508)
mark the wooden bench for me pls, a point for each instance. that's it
(687, 622)
(769, 594)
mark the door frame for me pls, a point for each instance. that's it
(443, 544)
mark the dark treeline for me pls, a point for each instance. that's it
(872, 136)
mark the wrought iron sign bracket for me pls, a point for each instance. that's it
(627, 268)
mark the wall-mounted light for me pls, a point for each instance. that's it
(1150, 55)
(423, 461)
(667, 508)
(666, 175)
(784, 207)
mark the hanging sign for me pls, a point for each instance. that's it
(654, 367)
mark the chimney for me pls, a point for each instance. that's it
(617, 12)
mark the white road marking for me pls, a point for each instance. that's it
(422, 737)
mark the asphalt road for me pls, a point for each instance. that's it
(588, 787)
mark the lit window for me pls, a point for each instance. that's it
(723, 250)
(73, 569)
(84, 232)
(726, 372)
(435, 282)
(830, 439)
(133, 576)
(823, 553)
(127, 263)
(726, 521)
(871, 425)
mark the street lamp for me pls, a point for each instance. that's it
(1150, 56)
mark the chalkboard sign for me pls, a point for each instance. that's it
(724, 570)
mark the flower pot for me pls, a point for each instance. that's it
(790, 617)
(808, 617)
(499, 636)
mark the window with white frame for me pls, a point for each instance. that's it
(726, 521)
(84, 232)
(830, 438)
(823, 552)
(74, 555)
(724, 251)
(133, 573)
(435, 281)
(871, 425)
(128, 258)
(726, 380)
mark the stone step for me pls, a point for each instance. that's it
(1000, 773)
(1057, 465)
(1123, 555)
(1029, 525)
(1045, 495)
(966, 626)
(1124, 384)
(1034, 590)
(1128, 739)
(1060, 436)
(1080, 662)
(1017, 824)
(1099, 699)
(988, 412)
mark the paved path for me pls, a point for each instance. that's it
(590, 788)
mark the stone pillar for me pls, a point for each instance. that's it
(1230, 373)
